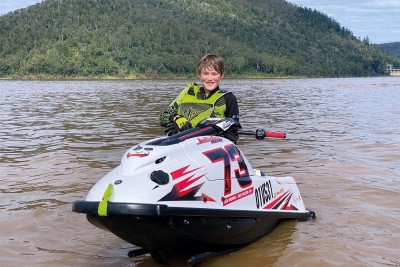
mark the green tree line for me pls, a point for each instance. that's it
(165, 38)
(391, 48)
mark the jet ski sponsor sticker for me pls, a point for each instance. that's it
(230, 199)
(211, 139)
(139, 152)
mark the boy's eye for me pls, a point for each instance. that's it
(214, 73)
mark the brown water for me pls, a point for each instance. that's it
(343, 148)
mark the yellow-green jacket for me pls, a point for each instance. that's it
(196, 106)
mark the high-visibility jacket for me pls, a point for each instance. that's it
(196, 106)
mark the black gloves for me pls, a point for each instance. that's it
(180, 124)
(185, 126)
(232, 133)
(171, 129)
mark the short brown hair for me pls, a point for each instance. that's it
(211, 61)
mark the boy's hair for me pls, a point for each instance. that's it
(211, 61)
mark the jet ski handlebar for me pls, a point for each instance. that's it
(260, 134)
(221, 125)
(214, 127)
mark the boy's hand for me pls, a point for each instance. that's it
(171, 129)
(183, 123)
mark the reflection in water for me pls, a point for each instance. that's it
(58, 138)
(264, 252)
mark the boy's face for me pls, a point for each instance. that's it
(210, 78)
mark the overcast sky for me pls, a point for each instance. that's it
(379, 20)
(11, 5)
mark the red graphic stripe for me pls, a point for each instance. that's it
(180, 187)
(182, 172)
(291, 207)
(273, 204)
(286, 202)
(206, 198)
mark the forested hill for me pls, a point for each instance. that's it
(391, 48)
(165, 38)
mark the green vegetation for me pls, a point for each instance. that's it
(165, 38)
(391, 48)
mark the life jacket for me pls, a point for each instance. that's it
(196, 106)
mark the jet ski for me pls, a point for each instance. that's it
(193, 192)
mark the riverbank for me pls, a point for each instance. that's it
(142, 77)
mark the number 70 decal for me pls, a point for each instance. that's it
(229, 154)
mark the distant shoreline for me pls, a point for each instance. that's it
(111, 78)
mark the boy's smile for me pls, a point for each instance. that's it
(210, 79)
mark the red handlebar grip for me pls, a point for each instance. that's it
(275, 135)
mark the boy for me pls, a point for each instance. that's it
(195, 104)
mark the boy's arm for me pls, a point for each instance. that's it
(167, 116)
(232, 106)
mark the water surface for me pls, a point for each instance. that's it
(57, 138)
